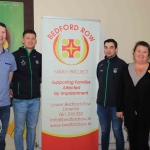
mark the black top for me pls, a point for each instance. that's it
(27, 78)
(108, 72)
(134, 100)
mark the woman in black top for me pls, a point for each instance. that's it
(133, 100)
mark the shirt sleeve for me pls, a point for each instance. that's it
(13, 64)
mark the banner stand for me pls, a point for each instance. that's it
(70, 53)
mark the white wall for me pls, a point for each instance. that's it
(127, 21)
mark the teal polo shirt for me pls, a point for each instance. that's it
(7, 65)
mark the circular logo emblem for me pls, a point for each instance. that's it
(115, 70)
(71, 51)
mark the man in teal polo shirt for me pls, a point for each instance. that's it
(7, 67)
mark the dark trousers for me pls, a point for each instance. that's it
(4, 118)
(138, 137)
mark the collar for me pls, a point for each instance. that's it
(3, 51)
(26, 50)
(111, 58)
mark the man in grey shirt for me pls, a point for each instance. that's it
(7, 67)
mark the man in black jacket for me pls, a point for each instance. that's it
(26, 90)
(108, 72)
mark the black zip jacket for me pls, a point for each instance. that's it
(132, 98)
(27, 78)
(108, 73)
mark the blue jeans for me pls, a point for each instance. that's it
(106, 115)
(4, 117)
(25, 111)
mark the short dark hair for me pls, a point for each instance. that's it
(111, 40)
(3, 25)
(29, 31)
(142, 43)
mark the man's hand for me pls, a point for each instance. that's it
(11, 93)
(119, 115)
